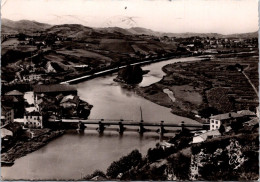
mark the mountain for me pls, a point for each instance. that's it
(244, 35)
(25, 26)
(74, 30)
(144, 31)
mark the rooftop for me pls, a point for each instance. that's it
(34, 113)
(14, 93)
(10, 98)
(53, 88)
(226, 116)
(246, 113)
(70, 98)
(4, 110)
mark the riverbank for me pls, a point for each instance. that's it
(93, 74)
(197, 85)
(24, 147)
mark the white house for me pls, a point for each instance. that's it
(32, 77)
(217, 120)
(33, 120)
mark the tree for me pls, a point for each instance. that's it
(155, 154)
(94, 174)
(21, 37)
(180, 165)
(124, 164)
(221, 129)
(208, 111)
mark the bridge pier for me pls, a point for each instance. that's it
(141, 127)
(162, 130)
(121, 127)
(81, 126)
(101, 126)
(182, 125)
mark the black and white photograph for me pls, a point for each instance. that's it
(129, 90)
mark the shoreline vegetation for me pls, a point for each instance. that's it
(211, 160)
(29, 143)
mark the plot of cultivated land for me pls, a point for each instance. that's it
(54, 57)
(84, 53)
(10, 42)
(137, 49)
(58, 61)
(187, 93)
(116, 45)
(26, 48)
(13, 44)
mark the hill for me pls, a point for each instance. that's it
(27, 26)
(22, 26)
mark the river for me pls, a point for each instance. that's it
(72, 156)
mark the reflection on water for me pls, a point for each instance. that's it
(73, 155)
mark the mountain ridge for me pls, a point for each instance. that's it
(28, 26)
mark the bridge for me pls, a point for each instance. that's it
(141, 126)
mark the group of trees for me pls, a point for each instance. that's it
(124, 164)
(131, 74)
(179, 165)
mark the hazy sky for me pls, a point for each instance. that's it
(221, 16)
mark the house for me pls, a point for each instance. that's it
(33, 120)
(32, 77)
(70, 101)
(15, 93)
(204, 136)
(165, 145)
(246, 113)
(54, 90)
(14, 102)
(7, 115)
(217, 120)
(251, 122)
(6, 133)
(11, 130)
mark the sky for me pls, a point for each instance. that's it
(176, 16)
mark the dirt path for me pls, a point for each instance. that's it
(248, 79)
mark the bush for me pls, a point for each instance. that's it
(180, 165)
(155, 154)
(124, 164)
(206, 112)
(95, 173)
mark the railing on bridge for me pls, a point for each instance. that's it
(142, 126)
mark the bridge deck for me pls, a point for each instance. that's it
(130, 123)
